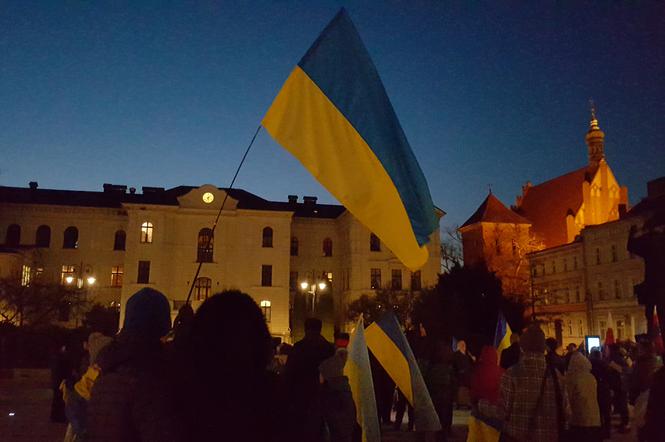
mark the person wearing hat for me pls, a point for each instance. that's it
(130, 400)
(533, 400)
(339, 411)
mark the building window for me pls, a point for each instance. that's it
(294, 246)
(568, 298)
(327, 247)
(266, 309)
(25, 276)
(614, 253)
(617, 289)
(621, 330)
(601, 293)
(374, 243)
(119, 240)
(116, 276)
(580, 327)
(396, 279)
(146, 232)
(577, 294)
(375, 279)
(497, 246)
(293, 281)
(570, 327)
(43, 237)
(205, 245)
(13, 237)
(267, 237)
(597, 256)
(565, 265)
(553, 266)
(534, 271)
(71, 238)
(416, 283)
(67, 275)
(143, 275)
(574, 262)
(266, 275)
(202, 288)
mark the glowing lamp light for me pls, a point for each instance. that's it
(91, 280)
(304, 285)
(322, 285)
(69, 279)
(12, 414)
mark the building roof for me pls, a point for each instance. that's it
(547, 205)
(115, 196)
(493, 211)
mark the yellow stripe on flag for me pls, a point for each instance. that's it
(307, 124)
(391, 359)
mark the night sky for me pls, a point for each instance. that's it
(167, 93)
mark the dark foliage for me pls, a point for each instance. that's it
(102, 319)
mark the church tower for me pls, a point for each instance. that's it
(595, 140)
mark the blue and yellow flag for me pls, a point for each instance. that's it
(390, 347)
(359, 372)
(334, 115)
(502, 334)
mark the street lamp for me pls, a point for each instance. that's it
(80, 279)
(312, 289)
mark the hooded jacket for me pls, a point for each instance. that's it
(582, 392)
(486, 377)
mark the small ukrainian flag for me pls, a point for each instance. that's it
(334, 115)
(502, 334)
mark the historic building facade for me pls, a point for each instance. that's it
(114, 242)
(562, 249)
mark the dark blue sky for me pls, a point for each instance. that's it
(166, 93)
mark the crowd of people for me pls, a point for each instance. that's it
(217, 374)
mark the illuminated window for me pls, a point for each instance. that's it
(119, 240)
(375, 279)
(328, 276)
(43, 236)
(396, 279)
(146, 232)
(143, 274)
(374, 243)
(67, 275)
(294, 246)
(327, 247)
(416, 283)
(570, 327)
(266, 309)
(116, 276)
(70, 238)
(205, 246)
(266, 237)
(202, 288)
(25, 276)
(614, 253)
(266, 275)
(13, 236)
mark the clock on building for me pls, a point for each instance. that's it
(208, 197)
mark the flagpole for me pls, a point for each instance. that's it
(219, 213)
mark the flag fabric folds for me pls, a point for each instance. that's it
(358, 371)
(480, 430)
(390, 347)
(502, 334)
(334, 115)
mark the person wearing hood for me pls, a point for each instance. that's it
(130, 400)
(486, 376)
(582, 394)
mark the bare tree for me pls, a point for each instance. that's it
(451, 249)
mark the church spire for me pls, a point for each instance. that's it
(595, 139)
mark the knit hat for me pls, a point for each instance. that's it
(533, 340)
(97, 341)
(147, 314)
(333, 367)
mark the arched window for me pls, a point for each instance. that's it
(13, 237)
(374, 243)
(202, 288)
(327, 247)
(43, 236)
(146, 232)
(294, 246)
(204, 246)
(267, 237)
(119, 240)
(70, 238)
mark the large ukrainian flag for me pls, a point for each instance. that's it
(391, 348)
(334, 115)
